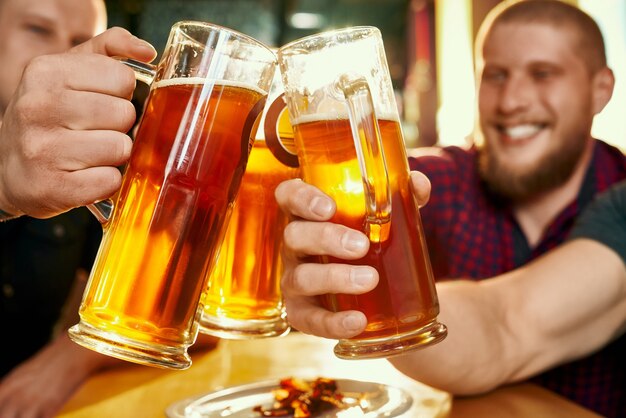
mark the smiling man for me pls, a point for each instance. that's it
(541, 78)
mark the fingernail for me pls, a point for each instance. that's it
(321, 206)
(354, 241)
(140, 43)
(362, 276)
(352, 322)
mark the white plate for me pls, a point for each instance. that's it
(239, 401)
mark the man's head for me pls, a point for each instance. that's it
(29, 28)
(542, 77)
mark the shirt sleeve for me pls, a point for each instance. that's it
(604, 220)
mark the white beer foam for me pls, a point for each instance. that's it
(200, 81)
(332, 116)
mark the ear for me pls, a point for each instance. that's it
(602, 89)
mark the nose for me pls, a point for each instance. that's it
(515, 95)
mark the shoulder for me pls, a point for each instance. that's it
(610, 202)
(453, 173)
(433, 160)
(606, 154)
(604, 220)
(608, 165)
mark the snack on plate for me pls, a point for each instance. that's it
(302, 399)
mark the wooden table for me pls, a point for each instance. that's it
(140, 391)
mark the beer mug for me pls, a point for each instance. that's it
(164, 228)
(349, 143)
(243, 298)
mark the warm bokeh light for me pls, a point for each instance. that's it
(455, 118)
(610, 125)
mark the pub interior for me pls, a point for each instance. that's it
(429, 48)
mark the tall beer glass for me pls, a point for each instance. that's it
(350, 145)
(189, 155)
(243, 298)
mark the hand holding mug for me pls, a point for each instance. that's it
(165, 224)
(311, 234)
(64, 132)
(349, 141)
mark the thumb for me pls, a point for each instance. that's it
(421, 187)
(118, 42)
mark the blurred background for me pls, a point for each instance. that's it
(429, 46)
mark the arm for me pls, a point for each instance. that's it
(501, 330)
(557, 309)
(63, 133)
(41, 385)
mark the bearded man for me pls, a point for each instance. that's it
(541, 76)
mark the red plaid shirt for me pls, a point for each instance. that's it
(473, 234)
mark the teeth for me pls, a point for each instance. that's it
(522, 131)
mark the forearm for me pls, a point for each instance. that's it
(469, 360)
(564, 306)
(84, 361)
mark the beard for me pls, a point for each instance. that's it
(519, 184)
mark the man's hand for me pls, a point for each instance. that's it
(310, 234)
(64, 131)
(40, 386)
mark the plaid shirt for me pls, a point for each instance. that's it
(473, 234)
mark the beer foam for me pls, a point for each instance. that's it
(199, 81)
(333, 116)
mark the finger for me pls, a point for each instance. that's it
(325, 238)
(82, 150)
(421, 187)
(307, 317)
(80, 72)
(118, 42)
(64, 191)
(298, 198)
(96, 111)
(319, 279)
(83, 187)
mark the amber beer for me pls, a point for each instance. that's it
(405, 298)
(188, 160)
(243, 298)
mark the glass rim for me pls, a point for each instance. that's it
(198, 23)
(362, 29)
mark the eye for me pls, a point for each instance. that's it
(542, 74)
(38, 29)
(494, 76)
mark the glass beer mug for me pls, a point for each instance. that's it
(243, 298)
(350, 145)
(191, 148)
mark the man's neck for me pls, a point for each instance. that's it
(536, 214)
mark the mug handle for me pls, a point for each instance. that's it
(103, 209)
(371, 156)
(278, 132)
